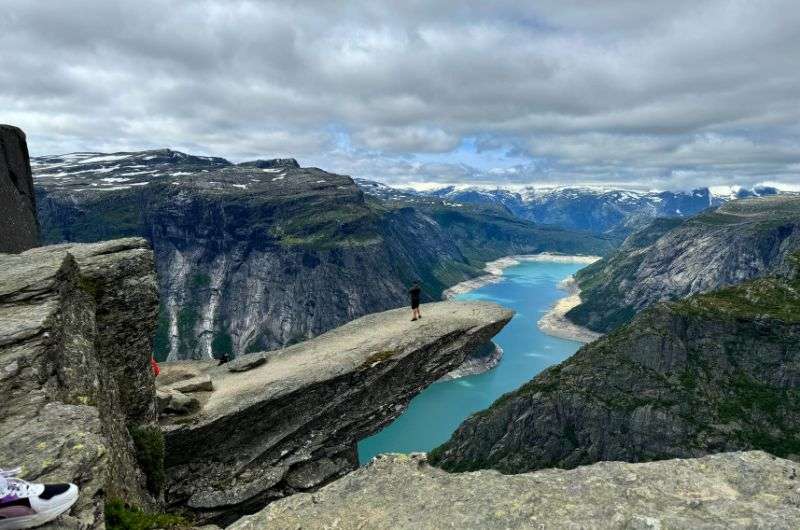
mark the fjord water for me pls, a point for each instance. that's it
(529, 288)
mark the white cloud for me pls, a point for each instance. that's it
(667, 93)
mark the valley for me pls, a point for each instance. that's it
(296, 275)
(265, 254)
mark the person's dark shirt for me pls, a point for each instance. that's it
(415, 292)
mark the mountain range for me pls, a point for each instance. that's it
(617, 212)
(263, 254)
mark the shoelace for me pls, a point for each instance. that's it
(11, 485)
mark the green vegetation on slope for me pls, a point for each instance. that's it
(119, 516)
(673, 258)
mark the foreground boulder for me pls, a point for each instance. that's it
(286, 421)
(19, 229)
(76, 390)
(713, 373)
(733, 490)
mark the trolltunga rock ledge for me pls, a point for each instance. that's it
(280, 422)
(727, 490)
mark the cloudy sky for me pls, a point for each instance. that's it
(654, 94)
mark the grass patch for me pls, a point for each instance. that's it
(149, 443)
(120, 516)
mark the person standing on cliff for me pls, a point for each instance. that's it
(415, 292)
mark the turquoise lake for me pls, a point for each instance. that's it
(529, 288)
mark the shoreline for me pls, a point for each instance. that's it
(494, 270)
(555, 322)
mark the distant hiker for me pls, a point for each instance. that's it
(415, 292)
(224, 359)
(154, 365)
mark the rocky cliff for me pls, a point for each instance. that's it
(712, 373)
(733, 491)
(672, 259)
(76, 389)
(265, 254)
(17, 199)
(286, 421)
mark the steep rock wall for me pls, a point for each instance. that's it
(19, 228)
(75, 322)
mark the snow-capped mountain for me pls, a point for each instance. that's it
(580, 208)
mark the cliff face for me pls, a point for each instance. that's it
(265, 254)
(733, 491)
(17, 199)
(280, 422)
(671, 259)
(716, 372)
(75, 381)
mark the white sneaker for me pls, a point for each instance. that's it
(25, 504)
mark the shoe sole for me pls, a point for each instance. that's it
(38, 519)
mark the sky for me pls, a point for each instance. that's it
(659, 94)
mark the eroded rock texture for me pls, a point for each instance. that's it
(19, 229)
(281, 422)
(731, 491)
(75, 322)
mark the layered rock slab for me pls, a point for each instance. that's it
(291, 423)
(70, 319)
(732, 490)
(19, 229)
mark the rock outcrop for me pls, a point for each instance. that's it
(19, 228)
(732, 491)
(76, 388)
(716, 372)
(670, 259)
(261, 255)
(286, 421)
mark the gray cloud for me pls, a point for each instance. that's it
(656, 94)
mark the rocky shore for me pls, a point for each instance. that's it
(494, 270)
(555, 321)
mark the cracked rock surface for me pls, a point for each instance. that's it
(731, 491)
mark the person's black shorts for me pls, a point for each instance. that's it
(414, 305)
